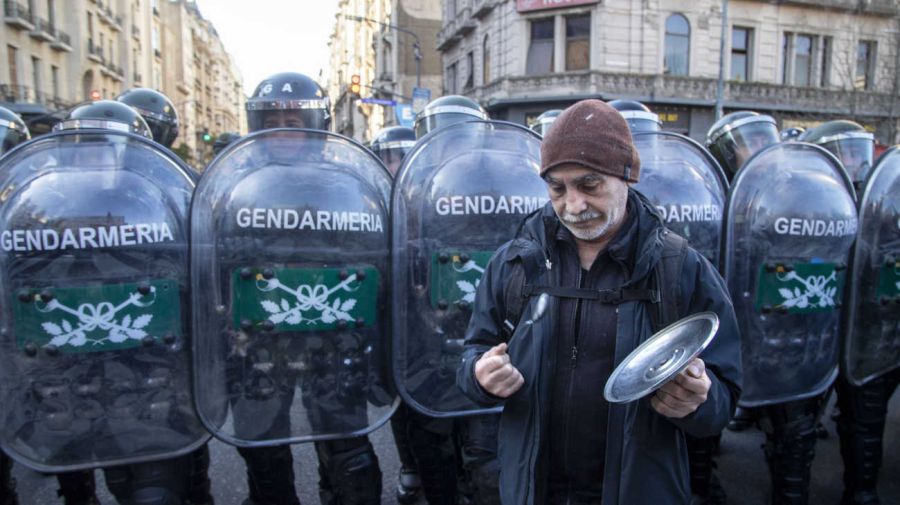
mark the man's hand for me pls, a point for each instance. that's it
(683, 394)
(496, 374)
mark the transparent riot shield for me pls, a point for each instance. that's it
(872, 333)
(95, 360)
(460, 194)
(686, 185)
(290, 247)
(789, 225)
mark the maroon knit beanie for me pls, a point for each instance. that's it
(594, 135)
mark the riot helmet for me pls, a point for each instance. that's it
(792, 133)
(224, 140)
(106, 115)
(637, 115)
(847, 140)
(543, 122)
(738, 136)
(391, 145)
(288, 100)
(447, 110)
(157, 110)
(12, 130)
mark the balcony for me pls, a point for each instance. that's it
(686, 90)
(883, 7)
(61, 40)
(482, 8)
(94, 53)
(41, 30)
(17, 15)
(455, 29)
(15, 93)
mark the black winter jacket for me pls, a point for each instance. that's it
(646, 458)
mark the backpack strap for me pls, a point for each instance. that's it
(667, 278)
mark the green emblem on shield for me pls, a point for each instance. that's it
(889, 280)
(455, 277)
(97, 318)
(800, 288)
(304, 299)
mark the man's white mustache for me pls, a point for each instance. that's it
(579, 218)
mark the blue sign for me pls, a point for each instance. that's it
(379, 101)
(420, 98)
(405, 116)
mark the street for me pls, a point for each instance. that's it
(741, 467)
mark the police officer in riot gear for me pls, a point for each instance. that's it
(850, 142)
(543, 122)
(224, 140)
(12, 133)
(157, 110)
(445, 111)
(348, 468)
(162, 482)
(638, 116)
(792, 133)
(391, 145)
(737, 136)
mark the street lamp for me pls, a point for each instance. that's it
(417, 48)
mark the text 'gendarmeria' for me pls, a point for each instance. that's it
(290, 219)
(87, 237)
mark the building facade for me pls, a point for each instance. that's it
(802, 61)
(377, 41)
(61, 53)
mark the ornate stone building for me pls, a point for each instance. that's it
(802, 61)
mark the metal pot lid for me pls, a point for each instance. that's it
(663, 356)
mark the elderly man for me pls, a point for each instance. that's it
(615, 274)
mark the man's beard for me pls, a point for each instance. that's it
(568, 220)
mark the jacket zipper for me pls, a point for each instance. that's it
(573, 363)
(536, 395)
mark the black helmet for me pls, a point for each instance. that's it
(224, 140)
(791, 133)
(447, 110)
(637, 115)
(543, 122)
(105, 115)
(391, 145)
(738, 136)
(12, 130)
(157, 110)
(847, 140)
(289, 91)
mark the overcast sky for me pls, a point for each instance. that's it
(270, 36)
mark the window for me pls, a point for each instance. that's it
(485, 61)
(865, 58)
(825, 67)
(12, 55)
(451, 80)
(741, 38)
(54, 81)
(540, 49)
(51, 13)
(470, 68)
(678, 45)
(36, 74)
(90, 29)
(578, 42)
(802, 60)
(155, 40)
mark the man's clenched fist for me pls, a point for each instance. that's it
(683, 394)
(496, 374)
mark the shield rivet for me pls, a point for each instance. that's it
(766, 309)
(782, 310)
(147, 341)
(342, 325)
(770, 267)
(268, 273)
(462, 304)
(169, 338)
(442, 304)
(360, 321)
(268, 325)
(360, 275)
(51, 350)
(443, 257)
(464, 258)
(246, 324)
(840, 266)
(143, 288)
(246, 273)
(343, 275)
(46, 296)
(789, 268)
(25, 296)
(30, 349)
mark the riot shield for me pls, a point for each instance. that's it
(290, 247)
(95, 344)
(461, 193)
(872, 331)
(789, 224)
(686, 185)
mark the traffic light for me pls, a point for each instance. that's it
(355, 84)
(207, 137)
